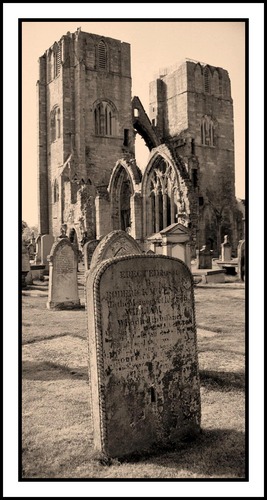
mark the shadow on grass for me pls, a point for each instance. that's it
(47, 370)
(214, 453)
(33, 340)
(226, 381)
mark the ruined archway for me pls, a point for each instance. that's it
(164, 193)
(123, 189)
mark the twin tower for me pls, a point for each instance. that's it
(89, 181)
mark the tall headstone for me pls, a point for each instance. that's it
(114, 244)
(205, 257)
(88, 251)
(226, 250)
(143, 360)
(63, 280)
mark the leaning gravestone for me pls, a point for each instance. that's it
(63, 281)
(88, 251)
(143, 362)
(114, 244)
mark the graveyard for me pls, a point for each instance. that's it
(57, 409)
(133, 296)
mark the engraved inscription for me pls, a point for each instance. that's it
(64, 262)
(149, 310)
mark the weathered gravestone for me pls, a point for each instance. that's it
(226, 250)
(143, 363)
(205, 257)
(88, 251)
(38, 257)
(25, 265)
(63, 281)
(114, 244)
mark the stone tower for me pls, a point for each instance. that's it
(85, 125)
(191, 109)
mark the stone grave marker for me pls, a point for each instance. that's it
(38, 250)
(63, 280)
(205, 257)
(143, 362)
(226, 250)
(88, 250)
(114, 244)
(25, 264)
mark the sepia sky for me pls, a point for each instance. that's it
(154, 45)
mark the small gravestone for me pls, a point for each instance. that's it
(205, 257)
(143, 362)
(226, 250)
(114, 244)
(38, 250)
(63, 281)
(25, 265)
(88, 251)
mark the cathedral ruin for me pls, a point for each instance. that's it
(88, 178)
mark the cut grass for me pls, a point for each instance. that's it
(57, 436)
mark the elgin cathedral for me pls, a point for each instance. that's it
(89, 181)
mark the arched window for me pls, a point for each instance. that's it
(105, 119)
(49, 66)
(55, 124)
(57, 59)
(207, 81)
(58, 122)
(55, 191)
(102, 55)
(207, 131)
(164, 198)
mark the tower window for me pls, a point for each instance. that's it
(105, 119)
(58, 122)
(55, 123)
(102, 55)
(207, 131)
(57, 60)
(56, 191)
(207, 81)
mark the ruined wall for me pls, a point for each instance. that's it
(196, 107)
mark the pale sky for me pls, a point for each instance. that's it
(154, 45)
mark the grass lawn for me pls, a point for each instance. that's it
(56, 420)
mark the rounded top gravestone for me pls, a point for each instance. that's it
(143, 360)
(114, 244)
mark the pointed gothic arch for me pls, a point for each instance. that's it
(123, 186)
(164, 196)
